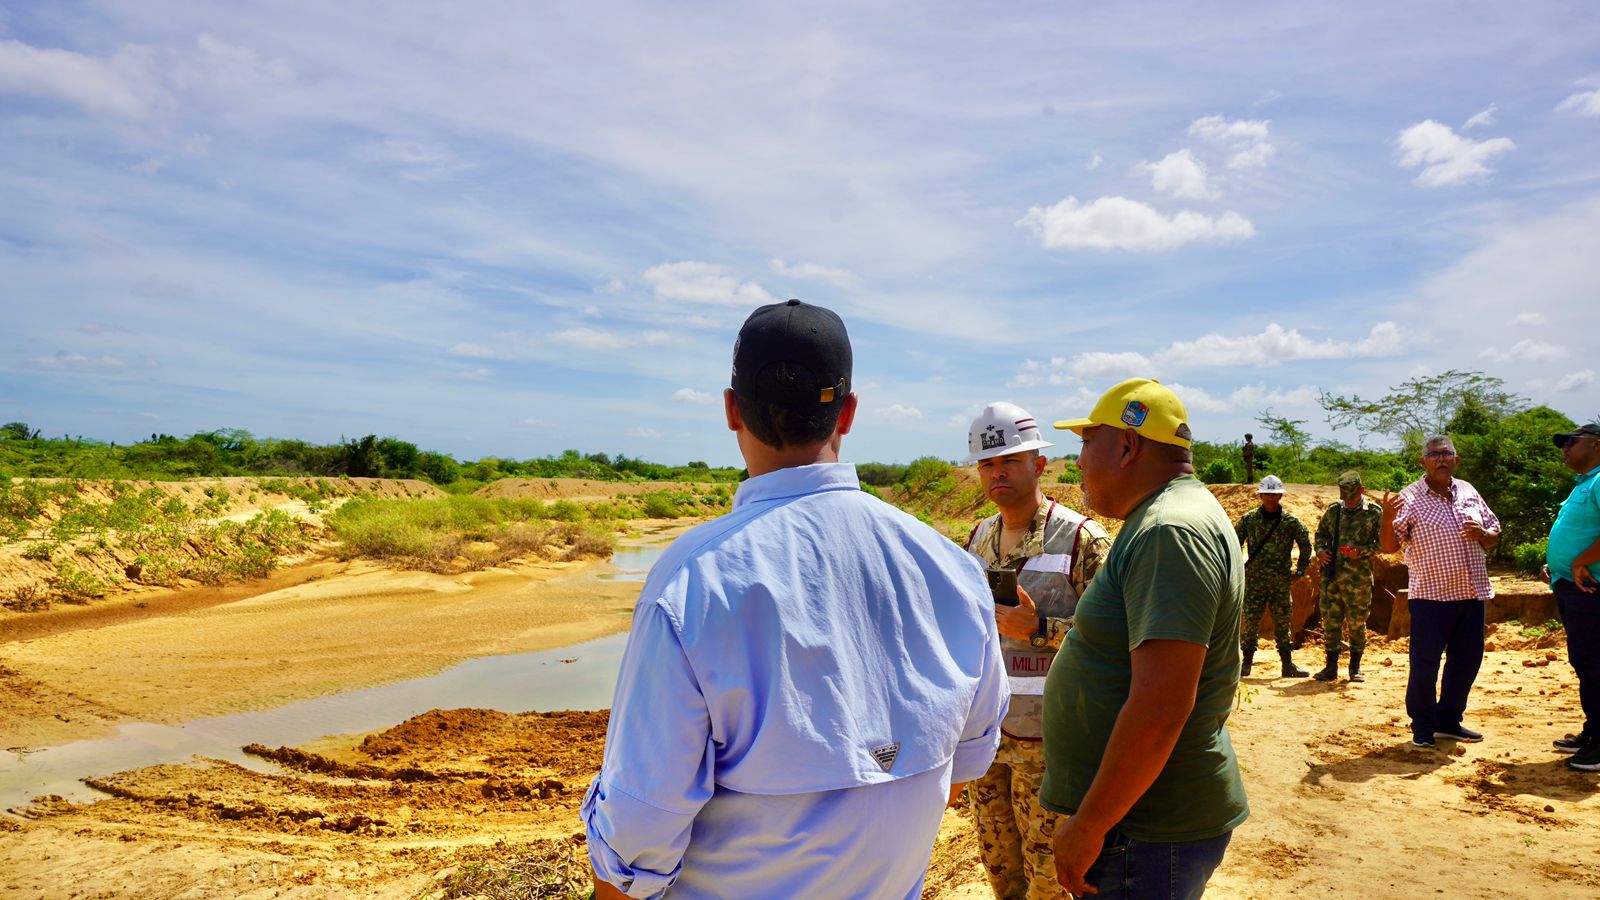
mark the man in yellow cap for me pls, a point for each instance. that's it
(1137, 753)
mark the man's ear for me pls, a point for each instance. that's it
(1039, 462)
(847, 415)
(730, 408)
(1131, 447)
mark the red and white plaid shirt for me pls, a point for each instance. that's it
(1443, 564)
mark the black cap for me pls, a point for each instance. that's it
(811, 339)
(1590, 428)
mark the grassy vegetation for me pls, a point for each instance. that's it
(139, 534)
(550, 870)
(458, 533)
(233, 452)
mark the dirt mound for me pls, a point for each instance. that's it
(432, 794)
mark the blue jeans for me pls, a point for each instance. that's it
(1127, 869)
(1580, 615)
(1452, 629)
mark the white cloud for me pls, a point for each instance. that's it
(702, 282)
(590, 339)
(898, 414)
(1447, 158)
(1528, 320)
(642, 433)
(473, 351)
(1199, 400)
(1584, 103)
(658, 338)
(1245, 138)
(118, 86)
(1117, 223)
(1094, 162)
(1482, 119)
(1275, 345)
(1180, 175)
(1097, 364)
(690, 395)
(839, 278)
(63, 361)
(1525, 350)
(478, 374)
(1574, 381)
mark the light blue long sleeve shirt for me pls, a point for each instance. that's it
(805, 678)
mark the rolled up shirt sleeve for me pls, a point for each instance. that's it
(659, 765)
(980, 737)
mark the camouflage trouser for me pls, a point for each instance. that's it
(1014, 831)
(1345, 603)
(1265, 592)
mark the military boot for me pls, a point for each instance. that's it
(1331, 670)
(1355, 666)
(1290, 670)
(1249, 659)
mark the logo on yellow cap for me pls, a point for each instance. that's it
(1133, 414)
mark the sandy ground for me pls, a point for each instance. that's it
(1342, 805)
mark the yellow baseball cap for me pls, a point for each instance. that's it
(1145, 405)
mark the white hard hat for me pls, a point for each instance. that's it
(1271, 484)
(1002, 428)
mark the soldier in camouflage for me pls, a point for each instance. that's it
(1347, 539)
(1054, 551)
(1268, 533)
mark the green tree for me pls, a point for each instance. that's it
(15, 431)
(1421, 407)
(1519, 471)
(1286, 433)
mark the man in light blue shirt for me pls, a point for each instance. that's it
(809, 679)
(1573, 560)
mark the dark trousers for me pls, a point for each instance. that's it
(1127, 869)
(1452, 629)
(1580, 615)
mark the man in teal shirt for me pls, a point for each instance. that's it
(1573, 559)
(1136, 749)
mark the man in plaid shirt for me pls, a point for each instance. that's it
(1444, 526)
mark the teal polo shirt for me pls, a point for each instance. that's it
(1577, 525)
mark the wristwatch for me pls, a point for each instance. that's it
(1041, 635)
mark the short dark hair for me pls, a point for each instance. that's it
(780, 424)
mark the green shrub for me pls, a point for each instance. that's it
(74, 585)
(1218, 471)
(43, 551)
(1530, 557)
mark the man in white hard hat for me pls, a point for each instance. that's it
(1269, 532)
(1054, 552)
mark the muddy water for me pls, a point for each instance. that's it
(581, 676)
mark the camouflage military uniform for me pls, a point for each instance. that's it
(1267, 572)
(1347, 592)
(1057, 558)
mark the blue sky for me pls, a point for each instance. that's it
(513, 228)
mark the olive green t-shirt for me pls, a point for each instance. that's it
(1174, 573)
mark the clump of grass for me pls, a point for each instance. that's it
(74, 585)
(1535, 631)
(459, 533)
(44, 551)
(27, 598)
(551, 870)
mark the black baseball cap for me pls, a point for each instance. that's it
(1590, 428)
(810, 339)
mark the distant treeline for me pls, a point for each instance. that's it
(232, 452)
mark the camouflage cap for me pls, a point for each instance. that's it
(1350, 478)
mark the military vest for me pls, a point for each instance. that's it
(1046, 574)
